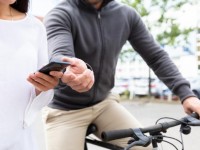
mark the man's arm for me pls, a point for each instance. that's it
(162, 65)
(59, 33)
(61, 47)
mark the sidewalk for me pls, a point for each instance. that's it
(147, 99)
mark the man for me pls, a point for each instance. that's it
(95, 31)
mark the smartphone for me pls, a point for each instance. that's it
(53, 66)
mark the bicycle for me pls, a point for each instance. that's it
(140, 137)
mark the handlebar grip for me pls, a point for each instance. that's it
(195, 115)
(116, 134)
(193, 119)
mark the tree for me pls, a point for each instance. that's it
(162, 18)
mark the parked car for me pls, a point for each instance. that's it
(121, 85)
(160, 90)
(194, 82)
(141, 86)
(195, 85)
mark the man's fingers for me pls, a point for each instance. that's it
(68, 59)
(90, 84)
(191, 104)
(77, 66)
(188, 111)
(77, 76)
(84, 82)
(67, 78)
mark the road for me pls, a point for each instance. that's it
(148, 112)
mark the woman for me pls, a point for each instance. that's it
(23, 48)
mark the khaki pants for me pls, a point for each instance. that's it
(65, 130)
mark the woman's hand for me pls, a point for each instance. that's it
(43, 82)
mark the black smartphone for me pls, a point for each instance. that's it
(53, 66)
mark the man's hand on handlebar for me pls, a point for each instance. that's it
(191, 104)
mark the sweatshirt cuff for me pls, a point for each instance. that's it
(184, 92)
(36, 103)
(88, 66)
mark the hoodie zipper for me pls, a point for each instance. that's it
(99, 17)
(102, 54)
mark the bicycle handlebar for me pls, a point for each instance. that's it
(161, 127)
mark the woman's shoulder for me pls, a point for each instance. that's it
(35, 20)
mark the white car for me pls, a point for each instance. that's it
(121, 85)
(141, 86)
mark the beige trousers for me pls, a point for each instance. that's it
(65, 130)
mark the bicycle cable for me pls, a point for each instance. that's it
(169, 138)
(171, 119)
(170, 144)
(181, 135)
(181, 142)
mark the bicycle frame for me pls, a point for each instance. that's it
(108, 145)
(93, 128)
(102, 144)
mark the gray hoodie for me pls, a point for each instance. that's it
(77, 29)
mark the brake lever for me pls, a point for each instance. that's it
(140, 139)
(135, 143)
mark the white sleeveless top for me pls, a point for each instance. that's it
(23, 50)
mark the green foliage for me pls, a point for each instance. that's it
(127, 55)
(166, 28)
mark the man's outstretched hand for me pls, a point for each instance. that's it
(77, 75)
